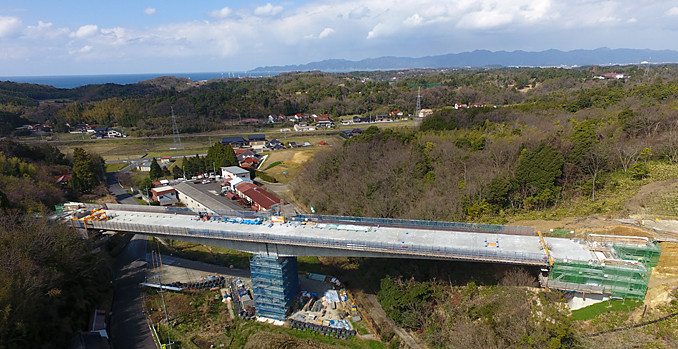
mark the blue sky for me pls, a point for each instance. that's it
(46, 37)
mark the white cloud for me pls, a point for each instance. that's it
(267, 10)
(45, 30)
(220, 14)
(85, 31)
(9, 26)
(150, 11)
(607, 19)
(414, 20)
(326, 32)
(291, 33)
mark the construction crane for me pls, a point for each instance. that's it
(545, 247)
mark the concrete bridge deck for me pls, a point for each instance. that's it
(321, 239)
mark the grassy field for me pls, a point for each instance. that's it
(619, 188)
(594, 310)
(203, 253)
(200, 321)
(115, 167)
(290, 162)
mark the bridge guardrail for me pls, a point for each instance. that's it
(412, 223)
(361, 245)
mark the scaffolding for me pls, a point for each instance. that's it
(647, 254)
(274, 285)
(626, 274)
(626, 279)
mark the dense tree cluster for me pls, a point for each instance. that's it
(88, 171)
(49, 282)
(471, 163)
(144, 108)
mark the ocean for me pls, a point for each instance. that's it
(73, 81)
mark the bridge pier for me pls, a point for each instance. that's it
(275, 283)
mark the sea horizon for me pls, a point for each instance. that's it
(74, 81)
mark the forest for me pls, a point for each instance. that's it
(50, 280)
(550, 143)
(564, 147)
(487, 163)
(144, 108)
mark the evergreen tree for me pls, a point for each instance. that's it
(538, 171)
(156, 171)
(220, 155)
(87, 171)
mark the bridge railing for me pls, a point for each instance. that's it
(412, 223)
(489, 254)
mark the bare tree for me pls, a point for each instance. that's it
(628, 153)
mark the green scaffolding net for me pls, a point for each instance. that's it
(626, 280)
(646, 254)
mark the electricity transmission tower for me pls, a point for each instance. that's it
(417, 111)
(175, 130)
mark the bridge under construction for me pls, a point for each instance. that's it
(611, 265)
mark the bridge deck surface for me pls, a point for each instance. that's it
(560, 248)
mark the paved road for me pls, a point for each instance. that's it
(128, 323)
(120, 193)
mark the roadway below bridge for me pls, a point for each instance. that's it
(352, 240)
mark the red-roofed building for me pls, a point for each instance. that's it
(249, 162)
(260, 199)
(63, 179)
(243, 187)
(240, 151)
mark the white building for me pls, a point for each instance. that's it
(234, 172)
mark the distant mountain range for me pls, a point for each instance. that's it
(484, 58)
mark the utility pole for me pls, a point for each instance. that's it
(417, 111)
(175, 131)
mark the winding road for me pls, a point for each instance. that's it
(128, 328)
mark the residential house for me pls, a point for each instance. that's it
(242, 155)
(324, 124)
(234, 142)
(249, 163)
(303, 127)
(274, 144)
(250, 121)
(323, 117)
(614, 76)
(364, 119)
(100, 132)
(425, 112)
(112, 132)
(257, 142)
(144, 167)
(62, 179)
(166, 160)
(164, 195)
